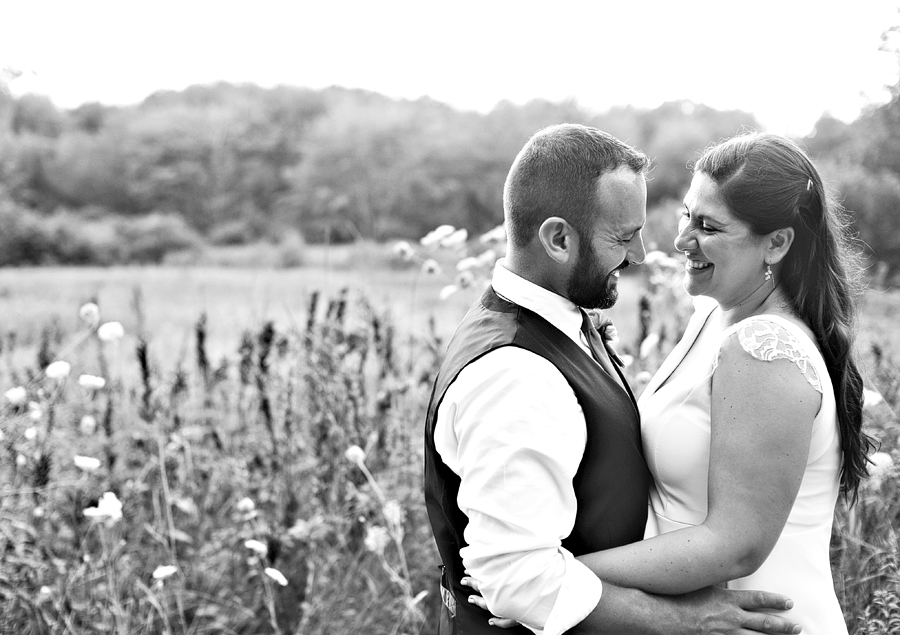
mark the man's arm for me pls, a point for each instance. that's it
(511, 427)
(710, 611)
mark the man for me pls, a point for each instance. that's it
(532, 445)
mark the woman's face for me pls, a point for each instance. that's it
(725, 259)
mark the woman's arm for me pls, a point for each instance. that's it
(762, 414)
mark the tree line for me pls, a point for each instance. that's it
(235, 164)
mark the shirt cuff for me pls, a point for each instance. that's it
(578, 596)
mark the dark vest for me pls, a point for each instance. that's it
(611, 483)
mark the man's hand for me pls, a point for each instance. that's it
(717, 611)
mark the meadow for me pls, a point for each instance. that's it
(251, 460)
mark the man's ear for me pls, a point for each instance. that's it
(778, 244)
(558, 238)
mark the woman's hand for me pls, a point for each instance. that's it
(477, 600)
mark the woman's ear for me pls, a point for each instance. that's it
(778, 244)
(558, 238)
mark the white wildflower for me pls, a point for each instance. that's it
(30, 433)
(87, 425)
(90, 313)
(377, 538)
(256, 546)
(35, 412)
(44, 594)
(355, 454)
(431, 267)
(394, 513)
(465, 279)
(404, 250)
(16, 396)
(447, 291)
(468, 263)
(111, 331)
(58, 370)
(21, 461)
(436, 235)
(86, 463)
(109, 508)
(245, 505)
(487, 258)
(496, 235)
(649, 345)
(456, 239)
(38, 512)
(164, 571)
(871, 398)
(882, 463)
(643, 377)
(91, 382)
(300, 530)
(276, 575)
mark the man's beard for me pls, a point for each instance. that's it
(588, 286)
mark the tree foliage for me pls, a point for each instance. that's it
(239, 163)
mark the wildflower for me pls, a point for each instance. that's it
(376, 539)
(44, 594)
(447, 291)
(871, 398)
(436, 235)
(882, 463)
(38, 512)
(245, 505)
(456, 239)
(487, 258)
(496, 235)
(465, 279)
(643, 377)
(109, 508)
(431, 267)
(86, 463)
(468, 263)
(111, 331)
(394, 513)
(16, 396)
(87, 425)
(649, 345)
(300, 530)
(58, 370)
(30, 433)
(256, 546)
(404, 250)
(276, 575)
(91, 382)
(90, 313)
(34, 411)
(355, 454)
(164, 571)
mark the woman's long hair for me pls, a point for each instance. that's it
(770, 183)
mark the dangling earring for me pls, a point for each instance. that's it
(769, 273)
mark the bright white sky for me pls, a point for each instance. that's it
(787, 61)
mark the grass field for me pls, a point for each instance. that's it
(233, 474)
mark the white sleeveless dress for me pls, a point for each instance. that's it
(675, 425)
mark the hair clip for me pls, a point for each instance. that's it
(808, 185)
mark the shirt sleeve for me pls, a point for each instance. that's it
(511, 427)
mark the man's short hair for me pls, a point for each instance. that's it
(555, 174)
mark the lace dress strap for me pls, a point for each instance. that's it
(767, 340)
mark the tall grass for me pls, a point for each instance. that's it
(293, 457)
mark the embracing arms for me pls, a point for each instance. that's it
(761, 423)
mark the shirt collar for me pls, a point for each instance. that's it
(554, 308)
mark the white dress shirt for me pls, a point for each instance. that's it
(511, 428)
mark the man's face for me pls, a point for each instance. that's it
(612, 243)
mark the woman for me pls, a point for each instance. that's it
(752, 425)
